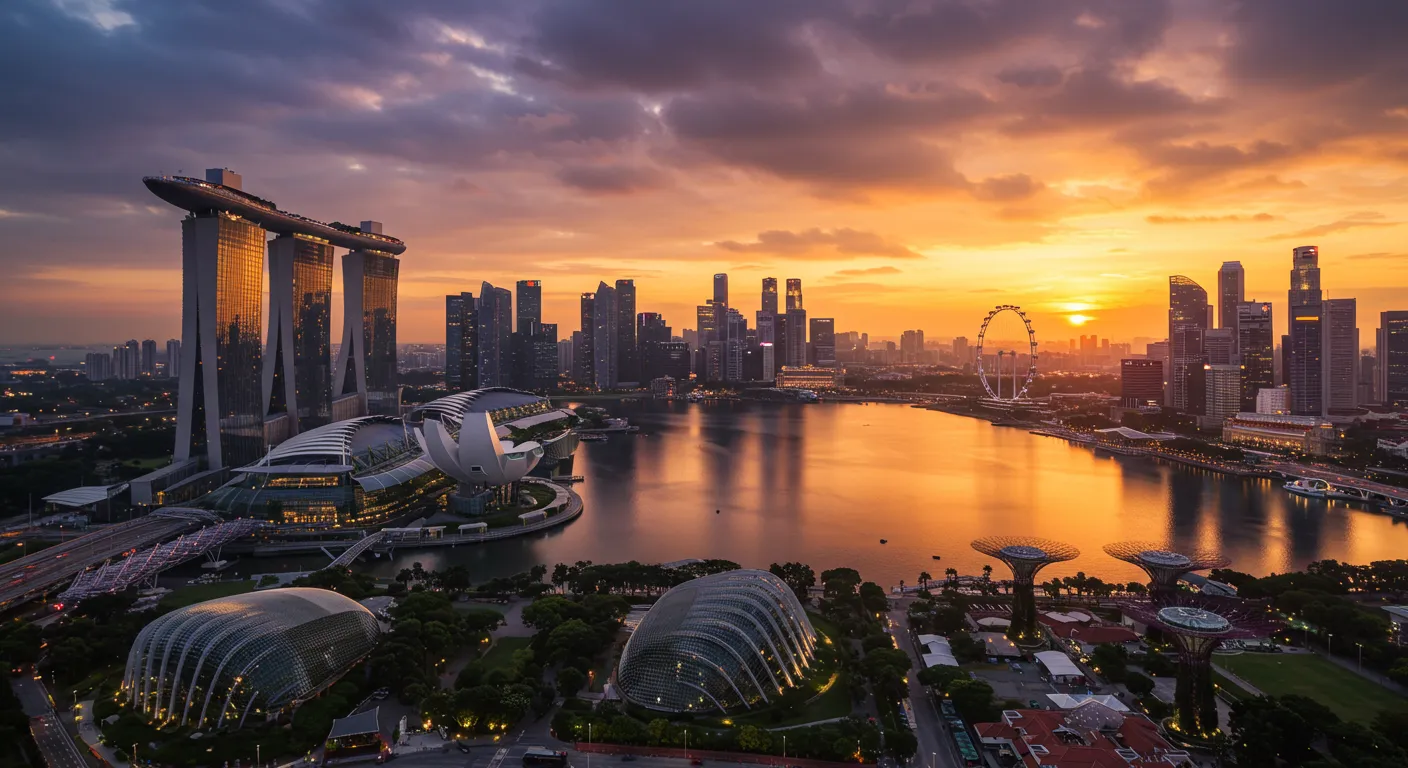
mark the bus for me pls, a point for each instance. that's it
(542, 757)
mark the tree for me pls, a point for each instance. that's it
(973, 700)
(987, 572)
(940, 677)
(839, 582)
(951, 574)
(754, 739)
(924, 578)
(1111, 661)
(573, 638)
(1264, 730)
(902, 743)
(569, 681)
(1138, 684)
(965, 648)
(798, 576)
(872, 598)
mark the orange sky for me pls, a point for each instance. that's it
(913, 163)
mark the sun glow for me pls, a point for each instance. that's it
(1078, 319)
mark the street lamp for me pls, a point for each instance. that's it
(1329, 644)
(589, 744)
(1361, 656)
(258, 756)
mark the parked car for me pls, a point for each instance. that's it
(380, 694)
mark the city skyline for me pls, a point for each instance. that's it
(1064, 161)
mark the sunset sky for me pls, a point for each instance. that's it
(914, 163)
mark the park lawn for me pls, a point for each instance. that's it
(500, 654)
(1347, 694)
(199, 593)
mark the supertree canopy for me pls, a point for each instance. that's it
(1164, 563)
(1196, 625)
(1025, 555)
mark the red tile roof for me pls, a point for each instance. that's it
(1068, 746)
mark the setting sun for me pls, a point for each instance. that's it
(1078, 319)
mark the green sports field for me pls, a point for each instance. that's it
(1349, 695)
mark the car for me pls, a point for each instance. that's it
(628, 758)
(1034, 704)
(380, 694)
(463, 746)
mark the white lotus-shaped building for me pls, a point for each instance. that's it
(477, 456)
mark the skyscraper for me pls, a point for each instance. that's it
(583, 344)
(1256, 349)
(766, 323)
(769, 295)
(461, 342)
(1231, 291)
(530, 303)
(495, 335)
(1306, 363)
(219, 408)
(297, 377)
(1222, 391)
(823, 341)
(794, 293)
(173, 358)
(627, 347)
(704, 318)
(1340, 354)
(1219, 345)
(366, 360)
(149, 357)
(1392, 353)
(97, 366)
(651, 333)
(604, 317)
(1187, 319)
(1141, 383)
(796, 332)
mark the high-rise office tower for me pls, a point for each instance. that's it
(173, 358)
(1141, 383)
(779, 339)
(366, 360)
(721, 289)
(1187, 320)
(1231, 291)
(542, 344)
(1392, 354)
(796, 332)
(1368, 364)
(823, 341)
(149, 357)
(1256, 350)
(769, 295)
(627, 347)
(794, 293)
(1306, 365)
(566, 359)
(769, 361)
(495, 336)
(584, 342)
(962, 355)
(297, 376)
(530, 303)
(734, 344)
(1222, 391)
(1340, 354)
(706, 320)
(766, 324)
(461, 342)
(1220, 345)
(604, 317)
(651, 332)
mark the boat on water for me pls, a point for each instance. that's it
(884, 541)
(936, 557)
(1315, 489)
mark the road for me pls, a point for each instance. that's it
(54, 742)
(936, 747)
(1336, 476)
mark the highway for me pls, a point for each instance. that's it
(54, 742)
(35, 574)
(1340, 478)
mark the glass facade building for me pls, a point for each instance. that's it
(219, 408)
(366, 361)
(214, 664)
(298, 356)
(730, 640)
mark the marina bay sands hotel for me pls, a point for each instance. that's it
(240, 393)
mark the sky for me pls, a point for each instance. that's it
(915, 163)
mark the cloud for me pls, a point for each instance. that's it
(1229, 217)
(1377, 256)
(1356, 221)
(613, 179)
(864, 272)
(823, 244)
(1018, 186)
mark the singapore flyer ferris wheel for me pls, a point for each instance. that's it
(1016, 393)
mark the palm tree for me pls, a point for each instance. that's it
(924, 579)
(987, 573)
(952, 574)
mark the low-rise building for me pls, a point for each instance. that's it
(1306, 434)
(811, 377)
(1091, 735)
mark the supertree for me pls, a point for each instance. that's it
(1196, 625)
(1164, 563)
(1025, 555)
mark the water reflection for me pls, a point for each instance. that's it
(824, 483)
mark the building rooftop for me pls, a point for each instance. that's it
(1091, 735)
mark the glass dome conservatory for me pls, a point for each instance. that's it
(729, 640)
(212, 664)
